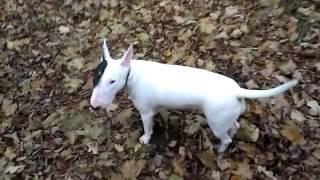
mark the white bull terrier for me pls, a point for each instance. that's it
(152, 85)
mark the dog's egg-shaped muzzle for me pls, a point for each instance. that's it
(94, 99)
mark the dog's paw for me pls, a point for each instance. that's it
(144, 139)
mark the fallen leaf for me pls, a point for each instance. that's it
(293, 133)
(5, 122)
(132, 140)
(143, 37)
(251, 84)
(104, 14)
(132, 168)
(9, 153)
(207, 158)
(72, 84)
(119, 148)
(106, 162)
(178, 167)
(297, 115)
(206, 25)
(248, 148)
(118, 28)
(76, 64)
(316, 153)
(192, 128)
(269, 46)
(16, 44)
(314, 107)
(231, 11)
(269, 174)
(92, 147)
(8, 107)
(222, 35)
(237, 33)
(123, 116)
(247, 132)
(287, 68)
(215, 175)
(66, 153)
(243, 170)
(64, 29)
(14, 169)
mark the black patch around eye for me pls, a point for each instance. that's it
(99, 71)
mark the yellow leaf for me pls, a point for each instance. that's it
(248, 148)
(118, 28)
(144, 37)
(104, 14)
(178, 167)
(243, 170)
(66, 152)
(9, 153)
(293, 133)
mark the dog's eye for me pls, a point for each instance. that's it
(112, 81)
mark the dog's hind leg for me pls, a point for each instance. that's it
(222, 120)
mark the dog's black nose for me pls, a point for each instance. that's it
(93, 108)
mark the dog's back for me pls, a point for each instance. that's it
(177, 86)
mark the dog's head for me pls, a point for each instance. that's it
(110, 77)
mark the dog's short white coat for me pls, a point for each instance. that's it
(152, 85)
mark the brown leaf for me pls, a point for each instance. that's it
(132, 168)
(293, 133)
(243, 170)
(269, 46)
(207, 158)
(8, 107)
(287, 68)
(248, 148)
(123, 116)
(206, 25)
(251, 84)
(179, 167)
(247, 132)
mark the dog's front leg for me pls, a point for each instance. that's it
(147, 120)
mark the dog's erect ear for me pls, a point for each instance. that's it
(106, 54)
(126, 59)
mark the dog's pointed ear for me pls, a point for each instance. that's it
(106, 54)
(126, 59)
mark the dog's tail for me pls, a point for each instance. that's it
(252, 94)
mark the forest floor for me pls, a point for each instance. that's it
(49, 49)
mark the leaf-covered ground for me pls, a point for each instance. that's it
(49, 48)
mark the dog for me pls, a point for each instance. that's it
(152, 85)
